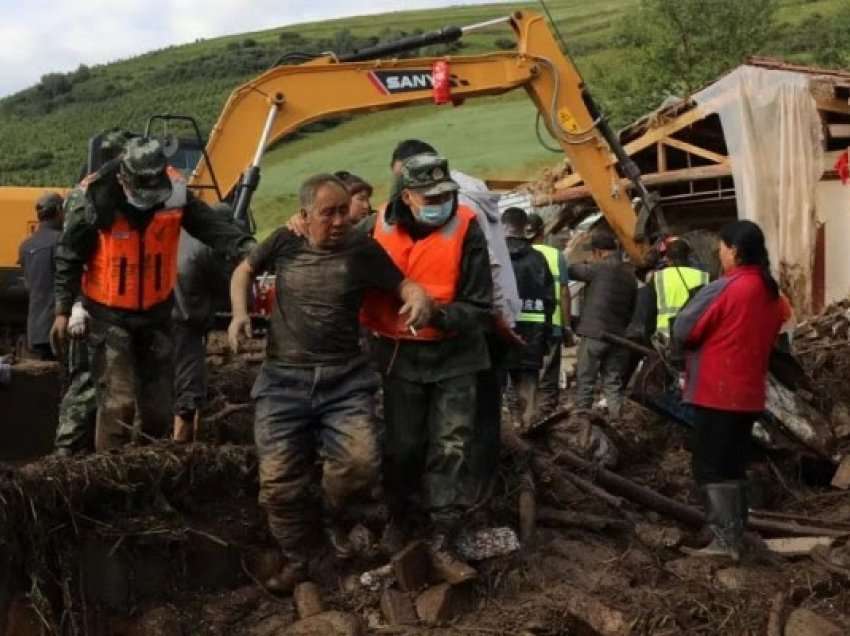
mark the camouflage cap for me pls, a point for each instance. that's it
(144, 156)
(112, 143)
(428, 174)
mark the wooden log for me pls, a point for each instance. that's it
(648, 498)
(580, 520)
(776, 620)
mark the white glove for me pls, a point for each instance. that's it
(78, 322)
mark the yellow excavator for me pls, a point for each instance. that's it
(290, 96)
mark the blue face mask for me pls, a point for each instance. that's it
(435, 215)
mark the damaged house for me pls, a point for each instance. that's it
(766, 142)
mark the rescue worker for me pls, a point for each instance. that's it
(728, 332)
(499, 333)
(123, 228)
(675, 284)
(35, 256)
(78, 408)
(534, 324)
(360, 192)
(315, 392)
(609, 301)
(430, 374)
(550, 375)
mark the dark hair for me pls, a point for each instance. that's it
(409, 147)
(48, 206)
(603, 239)
(515, 220)
(678, 251)
(353, 183)
(748, 240)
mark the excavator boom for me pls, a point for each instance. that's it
(285, 98)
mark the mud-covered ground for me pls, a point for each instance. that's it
(163, 540)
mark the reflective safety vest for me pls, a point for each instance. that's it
(673, 288)
(433, 262)
(136, 269)
(552, 254)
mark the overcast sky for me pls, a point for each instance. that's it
(43, 36)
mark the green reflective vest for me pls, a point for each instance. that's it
(673, 287)
(551, 254)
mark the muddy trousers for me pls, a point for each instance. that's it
(78, 408)
(599, 358)
(549, 389)
(131, 368)
(190, 369)
(305, 413)
(427, 443)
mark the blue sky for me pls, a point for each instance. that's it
(43, 36)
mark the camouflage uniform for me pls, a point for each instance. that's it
(130, 350)
(78, 409)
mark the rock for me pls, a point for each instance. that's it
(733, 579)
(602, 618)
(162, 621)
(803, 622)
(442, 603)
(797, 546)
(691, 569)
(841, 478)
(328, 624)
(412, 567)
(658, 536)
(307, 599)
(398, 608)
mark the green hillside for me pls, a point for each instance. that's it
(43, 130)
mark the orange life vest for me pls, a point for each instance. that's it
(433, 262)
(135, 269)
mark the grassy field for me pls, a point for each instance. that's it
(43, 132)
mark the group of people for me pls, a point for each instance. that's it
(435, 298)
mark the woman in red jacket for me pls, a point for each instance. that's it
(728, 331)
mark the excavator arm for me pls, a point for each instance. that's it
(285, 98)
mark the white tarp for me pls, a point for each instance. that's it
(774, 138)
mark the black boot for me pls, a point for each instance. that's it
(726, 514)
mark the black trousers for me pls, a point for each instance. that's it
(722, 442)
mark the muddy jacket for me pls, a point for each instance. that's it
(537, 292)
(89, 210)
(609, 299)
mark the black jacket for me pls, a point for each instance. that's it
(609, 299)
(537, 293)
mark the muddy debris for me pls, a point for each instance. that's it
(169, 539)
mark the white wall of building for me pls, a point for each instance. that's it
(833, 207)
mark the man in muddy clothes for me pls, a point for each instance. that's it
(123, 225)
(315, 391)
